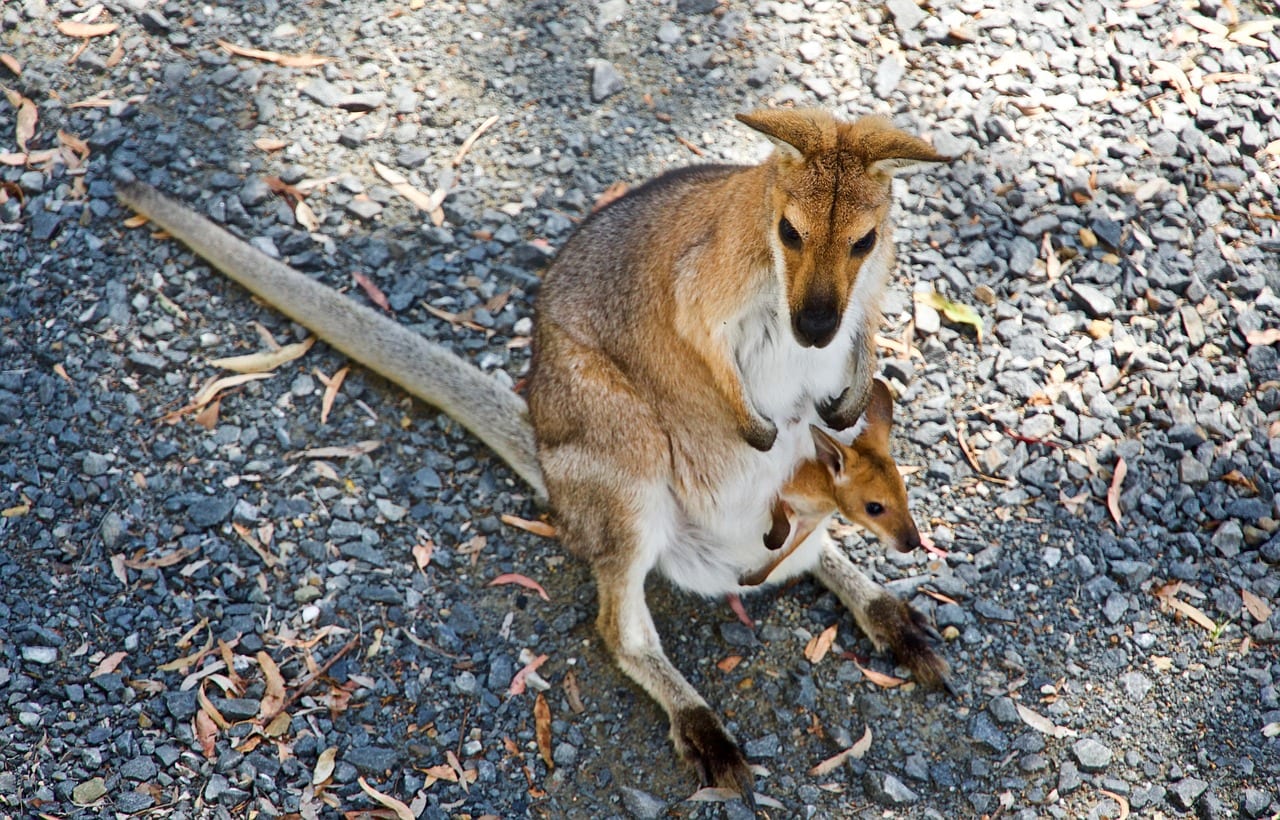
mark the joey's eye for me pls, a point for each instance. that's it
(874, 508)
(864, 244)
(788, 233)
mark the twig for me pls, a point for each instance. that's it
(471, 140)
(320, 673)
(961, 427)
(695, 149)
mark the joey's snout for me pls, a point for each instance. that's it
(816, 322)
(908, 538)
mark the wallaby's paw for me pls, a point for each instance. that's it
(760, 433)
(700, 739)
(843, 411)
(906, 632)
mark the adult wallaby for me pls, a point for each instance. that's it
(686, 337)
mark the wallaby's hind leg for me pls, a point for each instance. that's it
(888, 622)
(628, 630)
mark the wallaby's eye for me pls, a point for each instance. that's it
(864, 244)
(874, 508)
(788, 233)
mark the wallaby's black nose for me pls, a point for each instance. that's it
(816, 323)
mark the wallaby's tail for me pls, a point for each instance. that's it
(496, 415)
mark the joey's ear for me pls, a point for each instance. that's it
(797, 132)
(879, 412)
(829, 451)
(891, 151)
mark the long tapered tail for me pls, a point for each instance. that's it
(494, 414)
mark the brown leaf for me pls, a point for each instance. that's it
(536, 527)
(729, 663)
(269, 144)
(206, 732)
(1124, 803)
(938, 596)
(422, 552)
(542, 728)
(208, 417)
(273, 697)
(819, 645)
(325, 765)
(73, 29)
(471, 140)
(1113, 492)
(1239, 479)
(264, 361)
(572, 694)
(306, 217)
(518, 681)
(856, 751)
(287, 60)
(10, 62)
(332, 384)
(371, 290)
(400, 184)
(879, 678)
(344, 451)
(522, 580)
(1254, 605)
(108, 664)
(26, 120)
(402, 811)
(207, 707)
(613, 192)
(167, 559)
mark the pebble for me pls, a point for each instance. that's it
(605, 81)
(1091, 755)
(1185, 792)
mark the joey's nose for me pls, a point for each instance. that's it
(815, 324)
(910, 542)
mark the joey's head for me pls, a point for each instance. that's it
(829, 208)
(868, 488)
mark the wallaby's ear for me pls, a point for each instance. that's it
(879, 412)
(797, 132)
(830, 452)
(888, 151)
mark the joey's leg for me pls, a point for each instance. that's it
(887, 621)
(628, 630)
(843, 410)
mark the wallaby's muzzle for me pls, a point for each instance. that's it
(815, 324)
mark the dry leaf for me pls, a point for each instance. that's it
(729, 663)
(110, 662)
(167, 559)
(266, 360)
(420, 200)
(518, 681)
(422, 552)
(536, 527)
(306, 217)
(1042, 724)
(25, 121)
(854, 752)
(273, 698)
(206, 732)
(287, 60)
(269, 144)
(879, 678)
(208, 417)
(73, 29)
(254, 544)
(1113, 492)
(522, 580)
(938, 596)
(953, 311)
(1124, 803)
(207, 707)
(345, 451)
(325, 764)
(613, 192)
(1263, 336)
(279, 725)
(10, 62)
(1187, 610)
(1254, 605)
(331, 387)
(542, 728)
(1207, 25)
(371, 290)
(402, 811)
(471, 140)
(216, 386)
(819, 645)
(1052, 265)
(572, 694)
(1239, 479)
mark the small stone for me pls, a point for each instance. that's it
(210, 512)
(983, 730)
(889, 790)
(642, 805)
(565, 754)
(1192, 471)
(322, 92)
(927, 318)
(1187, 791)
(1228, 539)
(763, 747)
(669, 33)
(906, 14)
(1069, 778)
(363, 208)
(44, 655)
(140, 768)
(1092, 755)
(605, 81)
(90, 791)
(373, 759)
(94, 464)
(1136, 685)
(1096, 303)
(1254, 802)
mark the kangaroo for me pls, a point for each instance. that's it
(706, 319)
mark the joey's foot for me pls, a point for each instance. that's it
(700, 739)
(759, 432)
(843, 411)
(905, 631)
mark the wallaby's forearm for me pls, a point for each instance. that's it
(496, 415)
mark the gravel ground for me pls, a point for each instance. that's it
(1102, 461)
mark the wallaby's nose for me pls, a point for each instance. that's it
(816, 323)
(911, 541)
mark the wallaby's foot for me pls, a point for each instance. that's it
(700, 739)
(903, 629)
(759, 432)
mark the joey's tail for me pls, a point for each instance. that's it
(496, 415)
